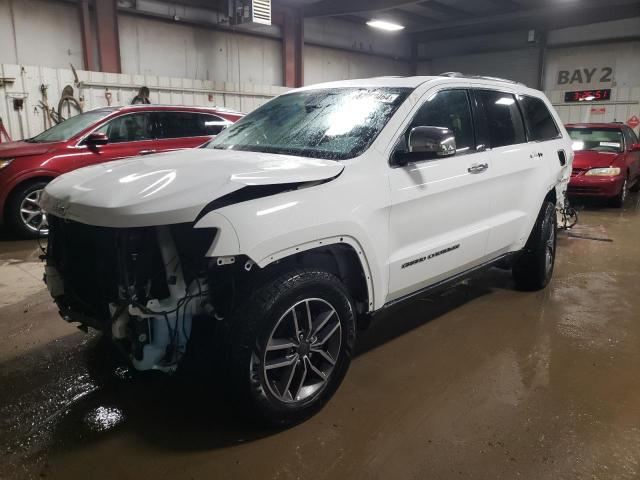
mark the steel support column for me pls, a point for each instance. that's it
(413, 63)
(87, 36)
(108, 39)
(292, 24)
(542, 58)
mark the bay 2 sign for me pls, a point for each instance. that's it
(585, 76)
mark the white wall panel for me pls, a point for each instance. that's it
(37, 32)
(323, 64)
(623, 58)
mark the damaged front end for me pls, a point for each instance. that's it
(142, 286)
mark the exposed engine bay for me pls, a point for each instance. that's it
(143, 286)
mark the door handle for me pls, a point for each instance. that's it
(562, 158)
(146, 152)
(478, 168)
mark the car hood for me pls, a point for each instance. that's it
(172, 187)
(585, 159)
(23, 149)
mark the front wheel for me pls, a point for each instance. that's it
(291, 345)
(533, 269)
(619, 199)
(24, 215)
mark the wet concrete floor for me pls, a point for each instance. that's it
(479, 382)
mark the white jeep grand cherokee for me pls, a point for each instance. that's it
(272, 244)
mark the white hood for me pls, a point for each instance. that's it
(171, 187)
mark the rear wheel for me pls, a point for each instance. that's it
(534, 267)
(291, 345)
(24, 215)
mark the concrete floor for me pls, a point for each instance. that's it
(480, 382)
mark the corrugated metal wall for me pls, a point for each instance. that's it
(30, 120)
(323, 64)
(148, 46)
(519, 65)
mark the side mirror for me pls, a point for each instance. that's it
(437, 141)
(635, 147)
(95, 139)
(426, 143)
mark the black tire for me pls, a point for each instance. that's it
(14, 203)
(618, 200)
(636, 186)
(533, 268)
(260, 314)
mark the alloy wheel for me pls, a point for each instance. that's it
(302, 350)
(32, 215)
(549, 249)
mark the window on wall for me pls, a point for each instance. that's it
(449, 109)
(133, 127)
(504, 121)
(539, 120)
(186, 124)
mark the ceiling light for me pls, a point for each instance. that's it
(381, 24)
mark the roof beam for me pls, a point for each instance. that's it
(325, 8)
(446, 9)
(506, 4)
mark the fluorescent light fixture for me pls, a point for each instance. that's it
(381, 24)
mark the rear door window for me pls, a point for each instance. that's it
(187, 124)
(503, 119)
(539, 120)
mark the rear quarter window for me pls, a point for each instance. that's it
(540, 123)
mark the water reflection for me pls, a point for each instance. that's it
(102, 419)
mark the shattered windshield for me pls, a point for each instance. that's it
(336, 124)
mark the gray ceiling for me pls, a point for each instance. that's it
(429, 19)
(437, 19)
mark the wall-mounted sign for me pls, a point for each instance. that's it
(585, 76)
(633, 122)
(588, 95)
(598, 110)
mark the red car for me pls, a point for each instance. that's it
(606, 162)
(94, 137)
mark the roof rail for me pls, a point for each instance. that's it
(478, 77)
